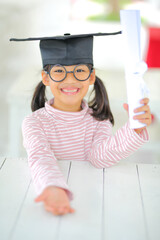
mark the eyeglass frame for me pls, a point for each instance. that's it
(50, 67)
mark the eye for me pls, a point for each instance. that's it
(59, 71)
(80, 70)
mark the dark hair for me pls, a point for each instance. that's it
(99, 104)
(39, 97)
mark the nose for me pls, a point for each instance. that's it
(70, 76)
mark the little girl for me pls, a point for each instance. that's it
(67, 127)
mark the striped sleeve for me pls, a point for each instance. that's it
(42, 162)
(108, 149)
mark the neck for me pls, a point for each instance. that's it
(67, 108)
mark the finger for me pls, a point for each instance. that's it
(125, 106)
(39, 198)
(66, 210)
(144, 108)
(142, 116)
(72, 210)
(144, 101)
(146, 121)
(58, 210)
(62, 210)
(55, 211)
(49, 209)
(52, 209)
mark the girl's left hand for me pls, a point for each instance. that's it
(144, 117)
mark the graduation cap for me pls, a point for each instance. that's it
(67, 49)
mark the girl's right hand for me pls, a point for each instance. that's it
(55, 200)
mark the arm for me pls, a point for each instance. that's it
(42, 162)
(108, 149)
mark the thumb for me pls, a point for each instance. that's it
(39, 198)
(125, 106)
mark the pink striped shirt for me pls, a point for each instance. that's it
(50, 135)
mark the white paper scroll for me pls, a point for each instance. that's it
(134, 66)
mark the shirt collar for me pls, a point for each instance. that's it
(66, 117)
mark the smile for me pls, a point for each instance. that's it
(70, 91)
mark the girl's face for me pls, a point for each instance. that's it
(69, 93)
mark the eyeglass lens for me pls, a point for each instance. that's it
(58, 72)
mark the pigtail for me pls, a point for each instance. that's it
(39, 98)
(100, 102)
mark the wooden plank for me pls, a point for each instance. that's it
(123, 207)
(86, 183)
(34, 221)
(2, 161)
(14, 181)
(149, 177)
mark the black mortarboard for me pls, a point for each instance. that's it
(67, 49)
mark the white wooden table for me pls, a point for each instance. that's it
(118, 203)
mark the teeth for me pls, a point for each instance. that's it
(66, 90)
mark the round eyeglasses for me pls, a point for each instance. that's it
(58, 72)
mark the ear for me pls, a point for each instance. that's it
(92, 77)
(45, 78)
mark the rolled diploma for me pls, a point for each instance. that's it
(134, 66)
